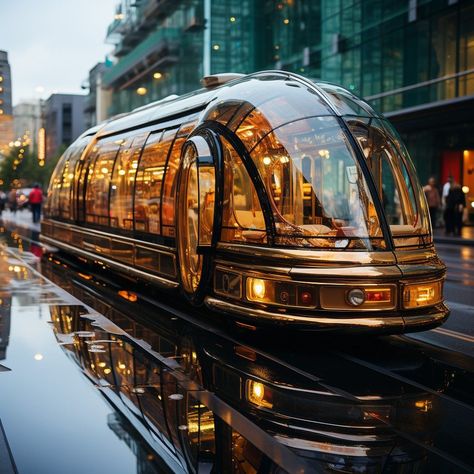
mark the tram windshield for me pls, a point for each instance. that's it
(317, 190)
(394, 176)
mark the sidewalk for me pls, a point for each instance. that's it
(467, 237)
(22, 218)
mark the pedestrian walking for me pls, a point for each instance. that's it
(36, 200)
(12, 201)
(455, 204)
(3, 201)
(433, 199)
(446, 188)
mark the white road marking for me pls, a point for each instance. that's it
(455, 334)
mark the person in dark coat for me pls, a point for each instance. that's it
(455, 204)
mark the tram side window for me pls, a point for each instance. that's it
(253, 128)
(52, 207)
(123, 182)
(169, 185)
(65, 195)
(98, 180)
(149, 181)
(81, 173)
(242, 214)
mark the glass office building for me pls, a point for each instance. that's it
(412, 59)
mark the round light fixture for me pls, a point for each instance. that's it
(355, 297)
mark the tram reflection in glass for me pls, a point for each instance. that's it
(267, 197)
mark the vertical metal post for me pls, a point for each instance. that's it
(207, 38)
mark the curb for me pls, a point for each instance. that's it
(454, 241)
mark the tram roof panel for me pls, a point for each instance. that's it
(280, 96)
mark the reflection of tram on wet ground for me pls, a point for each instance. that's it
(212, 402)
(270, 198)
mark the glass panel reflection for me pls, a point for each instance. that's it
(404, 206)
(317, 190)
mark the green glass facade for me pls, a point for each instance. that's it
(412, 59)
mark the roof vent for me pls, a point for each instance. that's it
(215, 80)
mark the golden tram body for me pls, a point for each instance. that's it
(269, 197)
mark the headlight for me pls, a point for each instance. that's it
(422, 294)
(259, 394)
(260, 290)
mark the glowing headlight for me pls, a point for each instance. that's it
(259, 394)
(260, 290)
(426, 294)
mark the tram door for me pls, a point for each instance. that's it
(196, 213)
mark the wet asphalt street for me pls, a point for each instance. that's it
(97, 376)
(458, 332)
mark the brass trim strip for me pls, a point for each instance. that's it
(117, 237)
(310, 256)
(163, 282)
(368, 322)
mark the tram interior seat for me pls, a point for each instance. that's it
(401, 230)
(247, 220)
(315, 229)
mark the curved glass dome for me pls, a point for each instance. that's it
(335, 173)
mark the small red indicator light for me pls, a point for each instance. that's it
(378, 296)
(306, 298)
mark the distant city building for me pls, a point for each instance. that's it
(99, 98)
(63, 119)
(413, 60)
(158, 51)
(27, 121)
(6, 112)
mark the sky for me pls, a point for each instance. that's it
(52, 44)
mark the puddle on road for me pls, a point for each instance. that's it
(132, 385)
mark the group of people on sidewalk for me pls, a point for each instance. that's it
(452, 201)
(11, 201)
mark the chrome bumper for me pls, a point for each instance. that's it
(405, 322)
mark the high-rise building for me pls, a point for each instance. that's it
(158, 51)
(99, 99)
(27, 121)
(6, 112)
(63, 119)
(413, 59)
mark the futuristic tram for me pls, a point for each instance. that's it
(267, 197)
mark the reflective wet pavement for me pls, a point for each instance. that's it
(97, 375)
